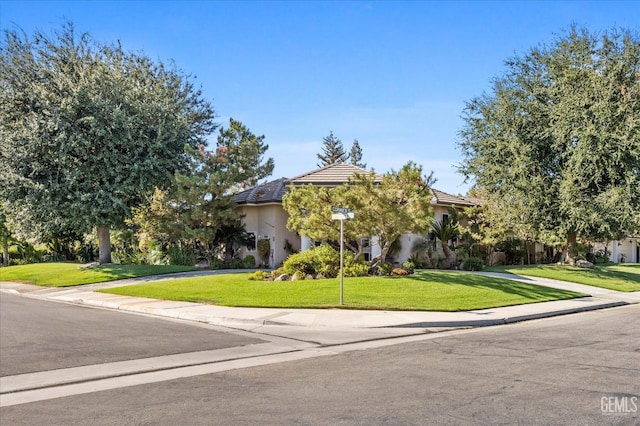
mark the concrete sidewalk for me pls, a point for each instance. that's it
(333, 318)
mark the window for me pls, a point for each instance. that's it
(251, 241)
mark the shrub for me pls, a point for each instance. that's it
(277, 272)
(473, 264)
(322, 260)
(356, 269)
(181, 255)
(399, 271)
(216, 263)
(249, 261)
(409, 266)
(258, 276)
(264, 250)
(385, 268)
(298, 276)
(236, 263)
(513, 249)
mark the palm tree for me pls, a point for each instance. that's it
(446, 230)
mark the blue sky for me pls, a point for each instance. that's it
(394, 75)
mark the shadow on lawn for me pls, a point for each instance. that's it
(529, 291)
(604, 272)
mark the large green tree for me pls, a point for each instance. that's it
(199, 209)
(556, 143)
(88, 130)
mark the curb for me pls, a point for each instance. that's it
(511, 320)
(231, 321)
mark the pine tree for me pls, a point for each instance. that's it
(356, 155)
(332, 151)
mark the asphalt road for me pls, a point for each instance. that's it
(578, 369)
(38, 335)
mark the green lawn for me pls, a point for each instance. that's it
(620, 277)
(68, 274)
(426, 290)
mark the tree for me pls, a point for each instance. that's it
(445, 230)
(89, 129)
(332, 151)
(400, 202)
(200, 209)
(556, 144)
(355, 155)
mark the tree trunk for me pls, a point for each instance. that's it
(450, 257)
(5, 251)
(228, 252)
(569, 255)
(104, 242)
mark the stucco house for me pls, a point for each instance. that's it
(626, 250)
(265, 218)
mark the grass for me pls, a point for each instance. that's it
(425, 290)
(68, 274)
(619, 277)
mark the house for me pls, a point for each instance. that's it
(621, 251)
(266, 219)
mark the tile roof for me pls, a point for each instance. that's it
(270, 192)
(331, 175)
(442, 198)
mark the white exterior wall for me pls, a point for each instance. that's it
(269, 221)
(439, 212)
(626, 248)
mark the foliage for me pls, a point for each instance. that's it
(324, 260)
(513, 249)
(598, 257)
(400, 203)
(409, 266)
(555, 146)
(288, 247)
(332, 151)
(264, 250)
(249, 261)
(473, 264)
(89, 129)
(181, 255)
(216, 263)
(259, 276)
(356, 269)
(125, 248)
(445, 230)
(385, 268)
(355, 155)
(200, 210)
(386, 207)
(235, 263)
(298, 276)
